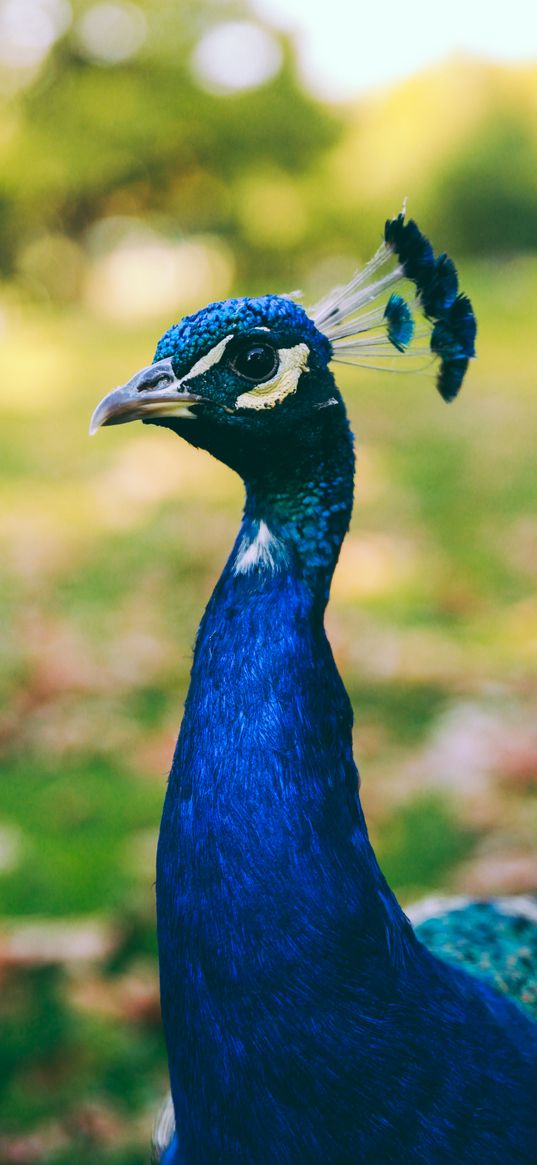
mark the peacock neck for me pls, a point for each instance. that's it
(299, 498)
(265, 875)
(267, 731)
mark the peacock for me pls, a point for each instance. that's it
(307, 1021)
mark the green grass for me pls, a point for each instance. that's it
(420, 843)
(405, 712)
(76, 819)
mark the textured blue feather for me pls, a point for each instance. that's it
(413, 250)
(194, 334)
(440, 291)
(454, 334)
(495, 940)
(453, 339)
(399, 321)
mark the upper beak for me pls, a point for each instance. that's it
(153, 392)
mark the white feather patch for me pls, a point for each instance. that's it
(163, 1130)
(435, 907)
(213, 356)
(293, 362)
(261, 552)
(518, 906)
(179, 408)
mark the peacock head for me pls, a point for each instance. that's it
(233, 378)
(245, 376)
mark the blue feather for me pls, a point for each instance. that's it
(413, 250)
(362, 334)
(454, 334)
(454, 330)
(441, 290)
(400, 322)
(453, 339)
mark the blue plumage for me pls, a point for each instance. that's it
(193, 334)
(453, 339)
(454, 330)
(413, 250)
(440, 292)
(495, 940)
(305, 1022)
(400, 325)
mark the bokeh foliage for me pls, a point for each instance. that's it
(83, 140)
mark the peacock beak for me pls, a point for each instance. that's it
(153, 392)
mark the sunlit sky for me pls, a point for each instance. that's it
(344, 47)
(351, 46)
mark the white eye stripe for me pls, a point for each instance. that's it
(293, 362)
(213, 356)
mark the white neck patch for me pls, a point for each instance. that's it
(261, 552)
(293, 362)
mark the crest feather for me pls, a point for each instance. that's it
(361, 333)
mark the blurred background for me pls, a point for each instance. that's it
(155, 155)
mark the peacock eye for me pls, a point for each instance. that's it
(255, 360)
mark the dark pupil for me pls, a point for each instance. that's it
(258, 362)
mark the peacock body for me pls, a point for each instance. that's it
(305, 1021)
